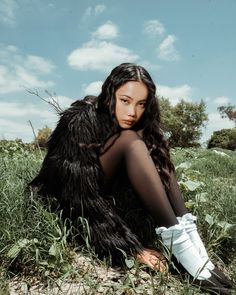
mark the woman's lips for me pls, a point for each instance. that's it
(128, 122)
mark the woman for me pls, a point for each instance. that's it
(113, 143)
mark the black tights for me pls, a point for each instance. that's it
(128, 148)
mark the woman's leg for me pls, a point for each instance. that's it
(130, 149)
(175, 197)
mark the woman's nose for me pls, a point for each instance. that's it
(132, 111)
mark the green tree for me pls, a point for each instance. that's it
(183, 122)
(229, 112)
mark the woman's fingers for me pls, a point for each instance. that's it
(157, 264)
(153, 259)
(154, 263)
(157, 254)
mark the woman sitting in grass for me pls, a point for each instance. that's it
(108, 161)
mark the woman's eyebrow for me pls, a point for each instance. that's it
(141, 100)
(126, 96)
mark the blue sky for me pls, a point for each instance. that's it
(69, 47)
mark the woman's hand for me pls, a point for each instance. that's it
(153, 259)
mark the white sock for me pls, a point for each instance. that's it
(178, 242)
(187, 221)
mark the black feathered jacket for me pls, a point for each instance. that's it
(71, 172)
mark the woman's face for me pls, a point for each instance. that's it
(131, 99)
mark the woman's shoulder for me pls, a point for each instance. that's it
(78, 123)
(80, 110)
(87, 100)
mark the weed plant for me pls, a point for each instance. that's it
(36, 246)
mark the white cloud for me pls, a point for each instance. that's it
(93, 88)
(150, 66)
(38, 63)
(87, 12)
(16, 109)
(219, 123)
(12, 130)
(18, 71)
(18, 78)
(7, 12)
(100, 55)
(175, 94)
(65, 101)
(93, 11)
(154, 28)
(221, 100)
(107, 31)
(167, 51)
(99, 8)
(215, 123)
(15, 117)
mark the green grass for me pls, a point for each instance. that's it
(36, 251)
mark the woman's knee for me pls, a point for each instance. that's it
(129, 135)
(130, 142)
(121, 142)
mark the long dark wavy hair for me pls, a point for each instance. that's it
(149, 122)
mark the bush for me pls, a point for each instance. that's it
(224, 138)
(42, 137)
(14, 147)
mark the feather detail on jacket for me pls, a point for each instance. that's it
(71, 172)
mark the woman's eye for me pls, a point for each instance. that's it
(125, 101)
(143, 104)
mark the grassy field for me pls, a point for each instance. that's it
(38, 254)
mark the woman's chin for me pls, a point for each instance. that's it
(124, 125)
